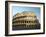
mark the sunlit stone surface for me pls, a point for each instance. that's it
(25, 20)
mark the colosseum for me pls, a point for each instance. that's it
(25, 20)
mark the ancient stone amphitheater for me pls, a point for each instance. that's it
(25, 20)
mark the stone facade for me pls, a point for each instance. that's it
(25, 18)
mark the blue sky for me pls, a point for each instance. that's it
(19, 9)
